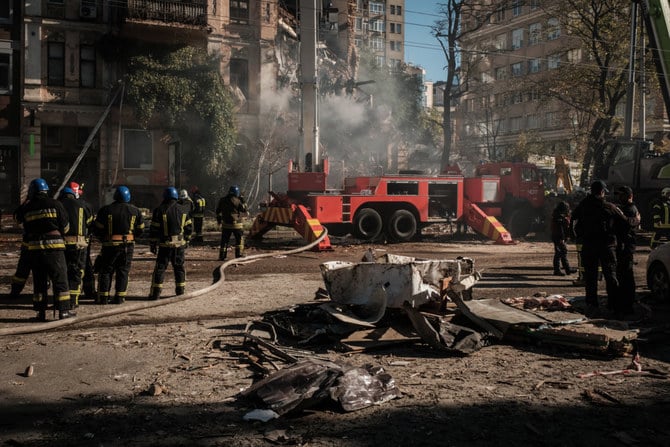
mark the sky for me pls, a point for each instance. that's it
(420, 47)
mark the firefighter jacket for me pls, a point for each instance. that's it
(661, 215)
(44, 223)
(170, 225)
(188, 205)
(231, 211)
(118, 223)
(560, 223)
(198, 205)
(80, 218)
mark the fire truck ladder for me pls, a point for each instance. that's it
(281, 211)
(484, 224)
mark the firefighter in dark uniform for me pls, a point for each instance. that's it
(661, 218)
(186, 203)
(625, 251)
(88, 282)
(23, 266)
(44, 224)
(560, 231)
(170, 230)
(594, 224)
(229, 214)
(76, 241)
(198, 213)
(117, 225)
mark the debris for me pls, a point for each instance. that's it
(312, 381)
(260, 415)
(376, 338)
(29, 371)
(552, 302)
(155, 389)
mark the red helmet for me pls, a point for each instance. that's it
(194, 189)
(76, 188)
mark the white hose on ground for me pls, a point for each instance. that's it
(41, 327)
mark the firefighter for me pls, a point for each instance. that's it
(560, 230)
(45, 223)
(625, 250)
(230, 213)
(185, 202)
(661, 218)
(198, 213)
(170, 230)
(23, 266)
(76, 241)
(117, 225)
(88, 281)
(594, 224)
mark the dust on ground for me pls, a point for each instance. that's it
(165, 376)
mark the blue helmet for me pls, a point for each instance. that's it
(234, 191)
(122, 194)
(170, 193)
(36, 186)
(68, 190)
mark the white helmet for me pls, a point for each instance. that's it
(665, 192)
(183, 194)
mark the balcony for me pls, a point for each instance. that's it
(186, 12)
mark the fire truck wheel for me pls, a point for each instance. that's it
(520, 222)
(402, 226)
(368, 224)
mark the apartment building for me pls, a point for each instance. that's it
(376, 26)
(70, 73)
(10, 100)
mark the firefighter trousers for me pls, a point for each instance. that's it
(226, 233)
(626, 277)
(114, 260)
(605, 256)
(165, 256)
(22, 272)
(75, 257)
(49, 265)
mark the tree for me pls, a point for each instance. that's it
(460, 19)
(593, 82)
(183, 91)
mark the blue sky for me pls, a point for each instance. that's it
(420, 47)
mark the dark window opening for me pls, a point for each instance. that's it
(56, 64)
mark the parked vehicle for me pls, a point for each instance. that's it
(658, 272)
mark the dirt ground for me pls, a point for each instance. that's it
(165, 376)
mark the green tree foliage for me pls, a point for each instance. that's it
(183, 92)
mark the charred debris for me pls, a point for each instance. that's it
(400, 302)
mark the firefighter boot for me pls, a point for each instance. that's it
(180, 290)
(102, 298)
(155, 293)
(223, 252)
(41, 315)
(118, 299)
(557, 269)
(15, 293)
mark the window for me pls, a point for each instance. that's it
(534, 4)
(534, 33)
(553, 61)
(396, 45)
(376, 8)
(501, 42)
(359, 24)
(137, 149)
(378, 25)
(551, 119)
(516, 123)
(516, 7)
(533, 121)
(517, 97)
(554, 29)
(239, 75)
(56, 63)
(500, 14)
(239, 11)
(534, 65)
(396, 28)
(5, 73)
(87, 66)
(377, 43)
(5, 11)
(393, 9)
(380, 60)
(534, 95)
(517, 38)
(517, 69)
(574, 56)
(501, 73)
(52, 136)
(398, 10)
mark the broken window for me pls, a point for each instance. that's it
(239, 11)
(239, 75)
(56, 63)
(5, 72)
(137, 149)
(87, 66)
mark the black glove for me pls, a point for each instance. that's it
(153, 247)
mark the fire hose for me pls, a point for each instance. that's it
(41, 327)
